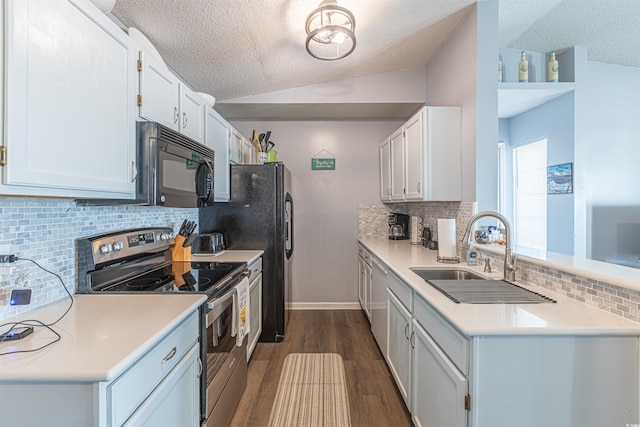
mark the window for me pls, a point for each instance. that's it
(501, 177)
(530, 186)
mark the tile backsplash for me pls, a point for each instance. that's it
(605, 296)
(45, 230)
(372, 219)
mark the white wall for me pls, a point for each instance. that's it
(326, 202)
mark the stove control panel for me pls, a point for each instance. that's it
(103, 249)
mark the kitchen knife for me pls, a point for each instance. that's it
(182, 228)
(189, 240)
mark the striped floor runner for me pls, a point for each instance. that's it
(311, 393)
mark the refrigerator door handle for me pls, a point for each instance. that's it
(288, 203)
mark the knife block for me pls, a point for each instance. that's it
(180, 253)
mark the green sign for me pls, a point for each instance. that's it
(323, 164)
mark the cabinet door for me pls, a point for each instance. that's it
(158, 97)
(191, 114)
(361, 284)
(414, 143)
(399, 335)
(70, 100)
(216, 131)
(439, 389)
(378, 296)
(235, 147)
(385, 171)
(397, 165)
(255, 314)
(248, 152)
(176, 401)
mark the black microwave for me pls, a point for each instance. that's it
(172, 170)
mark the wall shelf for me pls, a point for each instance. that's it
(516, 98)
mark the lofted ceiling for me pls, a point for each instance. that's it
(238, 48)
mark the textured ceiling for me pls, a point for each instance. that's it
(237, 48)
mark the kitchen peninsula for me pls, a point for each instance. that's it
(498, 364)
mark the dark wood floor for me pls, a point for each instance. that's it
(373, 397)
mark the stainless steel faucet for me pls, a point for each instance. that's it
(509, 258)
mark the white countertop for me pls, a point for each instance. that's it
(566, 317)
(101, 336)
(229, 255)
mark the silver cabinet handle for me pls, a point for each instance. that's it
(406, 331)
(412, 339)
(134, 171)
(170, 355)
(184, 120)
(418, 187)
(175, 114)
(199, 367)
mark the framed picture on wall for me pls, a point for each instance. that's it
(560, 179)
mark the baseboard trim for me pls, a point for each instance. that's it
(324, 306)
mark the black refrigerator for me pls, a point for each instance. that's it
(260, 216)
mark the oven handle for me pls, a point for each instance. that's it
(229, 294)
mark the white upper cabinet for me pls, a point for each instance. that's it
(397, 165)
(217, 132)
(236, 146)
(158, 98)
(385, 170)
(163, 98)
(426, 157)
(248, 152)
(191, 120)
(70, 110)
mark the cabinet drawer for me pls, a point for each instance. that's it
(453, 343)
(255, 269)
(129, 390)
(401, 290)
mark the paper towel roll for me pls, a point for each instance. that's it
(447, 238)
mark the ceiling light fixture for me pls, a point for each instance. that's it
(330, 32)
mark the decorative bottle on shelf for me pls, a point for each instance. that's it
(523, 68)
(499, 70)
(553, 68)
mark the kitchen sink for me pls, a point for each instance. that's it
(449, 274)
(467, 287)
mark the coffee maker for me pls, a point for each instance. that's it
(398, 226)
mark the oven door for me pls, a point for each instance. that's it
(183, 177)
(223, 356)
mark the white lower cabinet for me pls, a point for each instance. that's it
(399, 342)
(441, 405)
(364, 281)
(449, 379)
(255, 305)
(176, 401)
(160, 388)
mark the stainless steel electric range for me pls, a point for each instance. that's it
(139, 260)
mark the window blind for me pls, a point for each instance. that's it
(530, 186)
